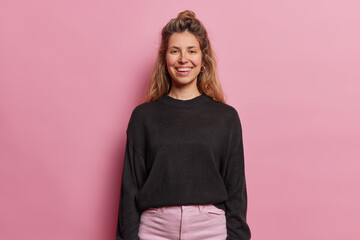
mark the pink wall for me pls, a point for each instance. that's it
(72, 71)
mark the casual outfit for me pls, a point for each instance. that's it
(181, 156)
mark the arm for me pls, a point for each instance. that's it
(236, 204)
(132, 179)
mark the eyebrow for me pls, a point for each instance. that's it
(179, 48)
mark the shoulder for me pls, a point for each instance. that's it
(138, 115)
(226, 110)
(141, 109)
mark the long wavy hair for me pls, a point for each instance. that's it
(207, 80)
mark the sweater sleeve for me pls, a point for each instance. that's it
(133, 176)
(236, 204)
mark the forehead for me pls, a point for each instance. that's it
(183, 40)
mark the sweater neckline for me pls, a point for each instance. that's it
(184, 103)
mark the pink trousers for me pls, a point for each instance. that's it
(190, 222)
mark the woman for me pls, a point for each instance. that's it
(183, 174)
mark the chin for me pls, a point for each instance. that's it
(183, 81)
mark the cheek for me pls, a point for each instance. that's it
(169, 60)
(198, 60)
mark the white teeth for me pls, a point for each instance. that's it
(183, 69)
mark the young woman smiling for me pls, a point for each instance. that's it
(184, 172)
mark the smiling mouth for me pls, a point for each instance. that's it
(183, 70)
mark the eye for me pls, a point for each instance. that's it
(174, 51)
(192, 51)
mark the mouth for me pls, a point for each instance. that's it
(183, 70)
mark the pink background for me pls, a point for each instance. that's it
(72, 71)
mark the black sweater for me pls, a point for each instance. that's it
(181, 152)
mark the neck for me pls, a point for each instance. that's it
(184, 95)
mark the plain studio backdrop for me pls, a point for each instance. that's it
(72, 71)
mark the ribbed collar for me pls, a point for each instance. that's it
(184, 103)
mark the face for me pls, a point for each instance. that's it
(183, 58)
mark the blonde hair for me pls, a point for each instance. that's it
(207, 81)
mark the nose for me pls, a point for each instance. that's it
(183, 58)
